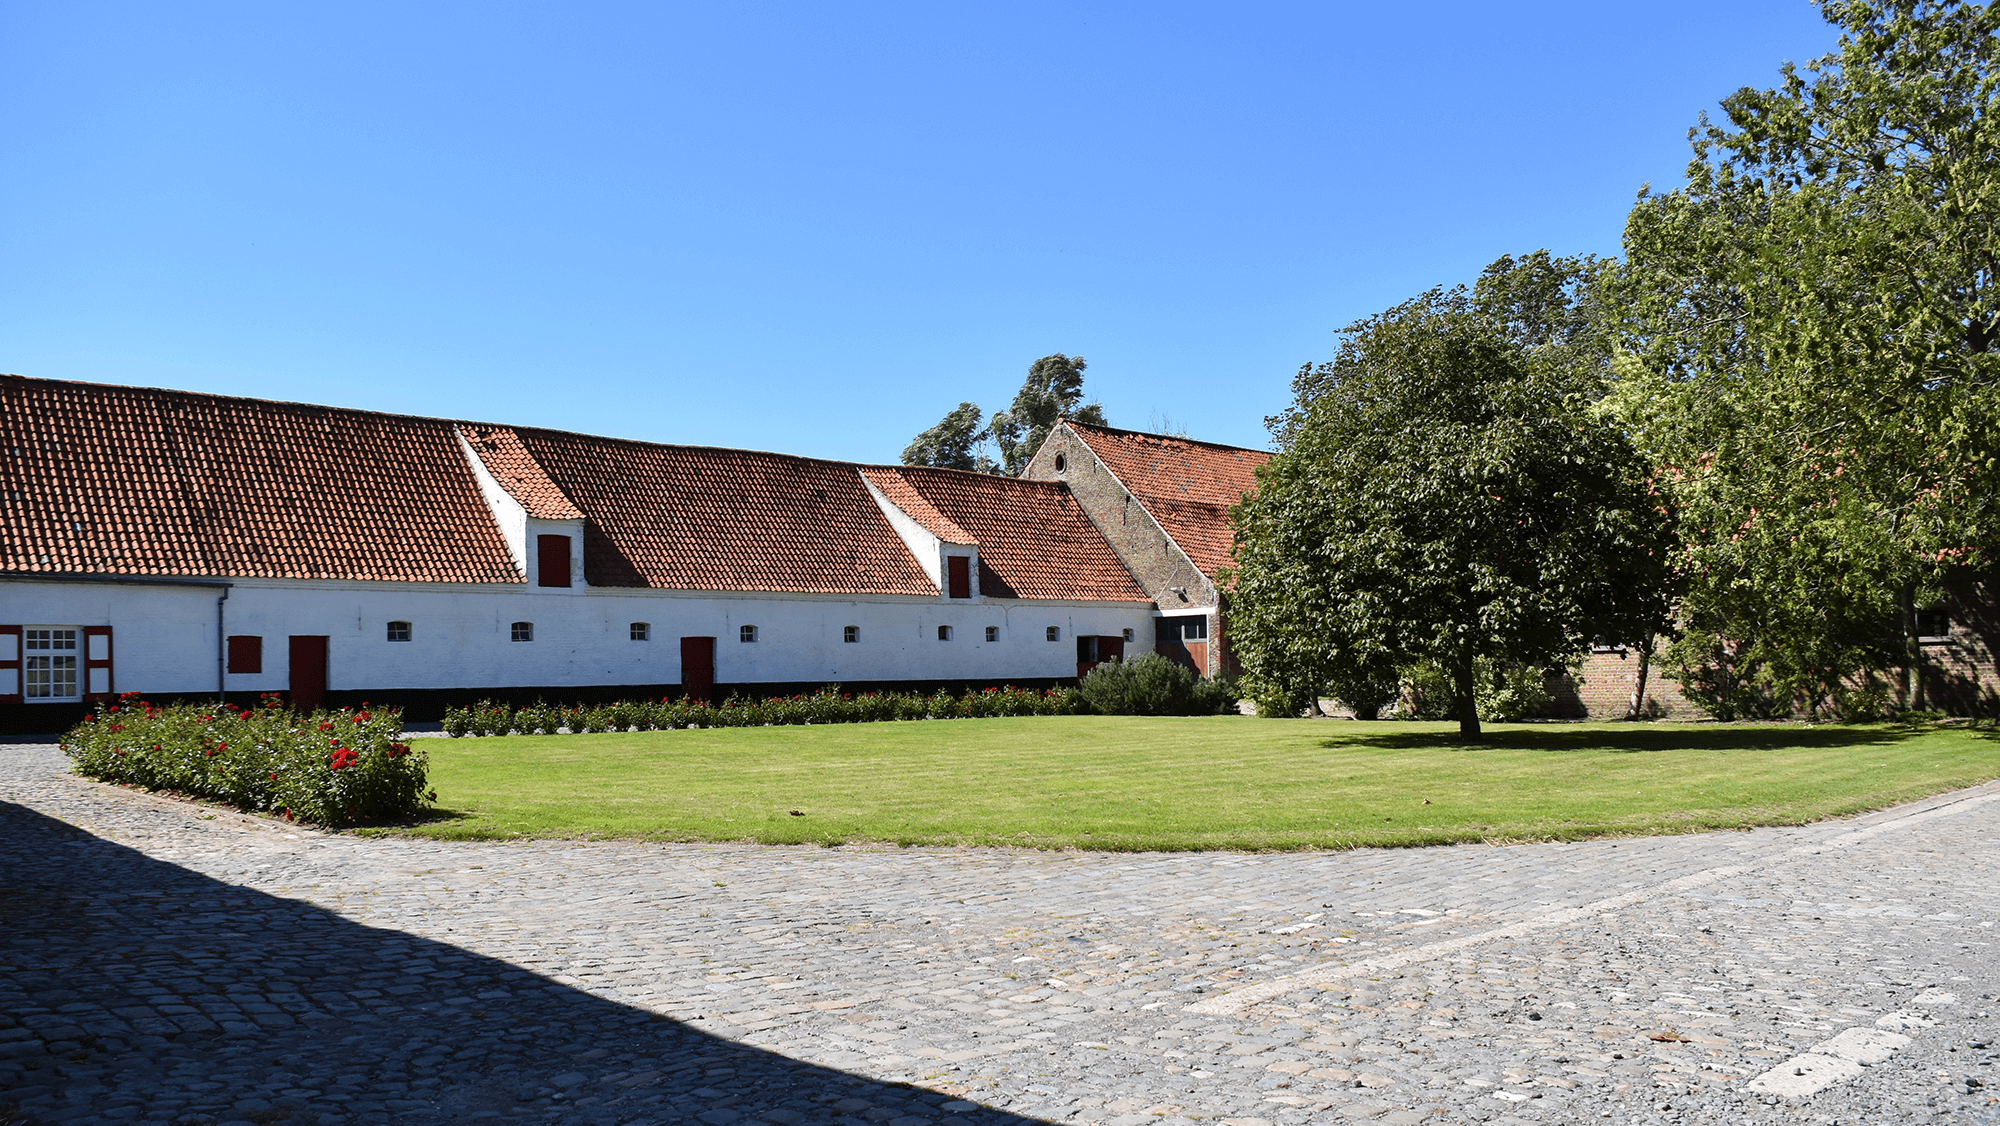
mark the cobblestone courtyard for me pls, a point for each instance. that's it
(171, 963)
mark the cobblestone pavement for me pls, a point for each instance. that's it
(171, 963)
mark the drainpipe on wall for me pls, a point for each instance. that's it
(221, 652)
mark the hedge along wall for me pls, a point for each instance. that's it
(331, 767)
(828, 705)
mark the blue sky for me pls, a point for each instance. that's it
(807, 228)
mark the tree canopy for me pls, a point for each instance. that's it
(1445, 491)
(953, 443)
(1811, 357)
(1052, 392)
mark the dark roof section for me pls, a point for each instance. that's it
(1034, 539)
(699, 518)
(1188, 486)
(137, 481)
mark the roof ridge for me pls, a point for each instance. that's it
(1163, 437)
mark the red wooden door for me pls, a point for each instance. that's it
(1110, 649)
(308, 672)
(552, 561)
(698, 667)
(958, 573)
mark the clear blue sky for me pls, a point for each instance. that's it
(808, 228)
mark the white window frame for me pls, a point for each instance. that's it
(850, 635)
(409, 632)
(746, 635)
(521, 631)
(50, 663)
(992, 633)
(641, 631)
(1053, 633)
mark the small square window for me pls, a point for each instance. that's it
(1128, 635)
(641, 631)
(992, 633)
(1055, 633)
(851, 634)
(747, 634)
(1933, 626)
(399, 631)
(944, 633)
(524, 631)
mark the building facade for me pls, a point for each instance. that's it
(193, 545)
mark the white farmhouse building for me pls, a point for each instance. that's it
(178, 544)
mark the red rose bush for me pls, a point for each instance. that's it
(334, 768)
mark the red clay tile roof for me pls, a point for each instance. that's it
(890, 480)
(698, 518)
(1188, 486)
(509, 462)
(1034, 539)
(136, 481)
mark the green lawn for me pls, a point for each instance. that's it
(1219, 782)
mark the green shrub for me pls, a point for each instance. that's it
(1150, 684)
(331, 767)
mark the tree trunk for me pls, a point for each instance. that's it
(1468, 704)
(1637, 707)
(1913, 684)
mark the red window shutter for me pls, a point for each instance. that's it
(97, 684)
(552, 560)
(959, 570)
(246, 653)
(10, 664)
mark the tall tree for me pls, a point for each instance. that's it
(1051, 393)
(1443, 492)
(1813, 337)
(953, 443)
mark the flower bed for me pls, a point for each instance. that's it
(828, 705)
(331, 767)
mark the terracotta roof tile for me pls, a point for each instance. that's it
(698, 518)
(137, 481)
(891, 481)
(1188, 486)
(1034, 539)
(509, 462)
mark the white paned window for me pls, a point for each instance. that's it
(641, 631)
(850, 634)
(1055, 633)
(399, 631)
(50, 665)
(1128, 635)
(746, 634)
(524, 631)
(992, 633)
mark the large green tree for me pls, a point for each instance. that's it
(1446, 491)
(953, 443)
(1813, 353)
(1052, 392)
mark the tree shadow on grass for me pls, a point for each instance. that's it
(1634, 739)
(140, 990)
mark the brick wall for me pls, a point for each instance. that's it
(1160, 567)
(1960, 675)
(1603, 688)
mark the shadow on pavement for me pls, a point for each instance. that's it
(134, 991)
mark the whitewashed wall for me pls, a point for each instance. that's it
(165, 637)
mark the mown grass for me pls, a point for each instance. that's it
(1217, 782)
